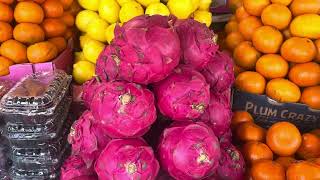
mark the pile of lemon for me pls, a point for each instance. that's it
(99, 18)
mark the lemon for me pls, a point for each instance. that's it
(195, 4)
(130, 10)
(96, 29)
(122, 2)
(92, 50)
(157, 8)
(89, 4)
(180, 8)
(203, 17)
(83, 71)
(110, 32)
(79, 56)
(84, 39)
(109, 10)
(84, 18)
(146, 3)
(205, 4)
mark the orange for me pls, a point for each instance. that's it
(311, 97)
(68, 34)
(315, 161)
(255, 151)
(305, 74)
(234, 4)
(285, 162)
(310, 146)
(233, 40)
(315, 131)
(233, 18)
(67, 19)
(245, 55)
(36, 1)
(5, 63)
(14, 50)
(237, 70)
(241, 14)
(42, 52)
(283, 90)
(248, 26)
(6, 14)
(249, 131)
(28, 12)
(267, 39)
(5, 31)
(267, 170)
(303, 170)
(66, 4)
(53, 27)
(298, 50)
(272, 66)
(276, 15)
(75, 8)
(317, 43)
(283, 138)
(240, 117)
(59, 42)
(52, 8)
(299, 7)
(28, 33)
(231, 26)
(286, 34)
(251, 82)
(7, 1)
(283, 2)
(255, 7)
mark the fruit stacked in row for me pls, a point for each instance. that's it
(33, 31)
(276, 49)
(157, 63)
(280, 152)
(100, 17)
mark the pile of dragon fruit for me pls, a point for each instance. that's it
(160, 103)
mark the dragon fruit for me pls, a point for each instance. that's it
(219, 72)
(231, 164)
(145, 50)
(123, 110)
(87, 140)
(198, 43)
(74, 167)
(90, 88)
(184, 95)
(124, 159)
(226, 138)
(189, 151)
(218, 115)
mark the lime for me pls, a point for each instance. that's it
(89, 4)
(130, 10)
(96, 29)
(92, 50)
(157, 8)
(180, 8)
(83, 71)
(146, 3)
(109, 10)
(203, 17)
(84, 17)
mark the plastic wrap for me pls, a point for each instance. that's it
(5, 86)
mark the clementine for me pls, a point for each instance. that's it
(234, 4)
(237, 70)
(5, 31)
(316, 132)
(248, 26)
(28, 33)
(303, 170)
(7, 1)
(52, 8)
(68, 19)
(42, 52)
(231, 26)
(285, 162)
(53, 27)
(14, 50)
(69, 33)
(272, 66)
(28, 12)
(315, 161)
(267, 39)
(240, 117)
(311, 97)
(253, 151)
(233, 40)
(267, 169)
(6, 14)
(276, 15)
(241, 14)
(249, 131)
(299, 7)
(245, 55)
(298, 50)
(5, 63)
(59, 42)
(255, 7)
(283, 2)
(75, 8)
(305, 74)
(66, 4)
(283, 90)
(317, 43)
(251, 82)
(310, 146)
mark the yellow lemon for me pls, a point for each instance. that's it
(109, 10)
(205, 5)
(84, 18)
(79, 56)
(130, 10)
(157, 8)
(146, 3)
(195, 4)
(92, 50)
(110, 32)
(96, 29)
(180, 8)
(83, 71)
(122, 2)
(89, 4)
(203, 17)
(84, 39)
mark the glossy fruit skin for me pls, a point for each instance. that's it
(240, 117)
(283, 90)
(276, 15)
(298, 50)
(14, 50)
(305, 74)
(28, 33)
(303, 170)
(28, 12)
(42, 52)
(251, 82)
(245, 55)
(267, 169)
(311, 97)
(299, 7)
(307, 25)
(6, 13)
(255, 8)
(53, 27)
(254, 151)
(272, 66)
(267, 39)
(52, 8)
(248, 131)
(5, 31)
(283, 138)
(310, 146)
(248, 26)
(285, 162)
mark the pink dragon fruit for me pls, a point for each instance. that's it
(89, 89)
(74, 167)
(145, 50)
(226, 138)
(189, 151)
(198, 43)
(219, 72)
(123, 110)
(87, 139)
(183, 95)
(218, 115)
(93, 177)
(231, 164)
(124, 159)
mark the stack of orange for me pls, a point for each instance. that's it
(34, 31)
(279, 153)
(276, 49)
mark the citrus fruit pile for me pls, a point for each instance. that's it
(276, 49)
(34, 31)
(280, 152)
(99, 18)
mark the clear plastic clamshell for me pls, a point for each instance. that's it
(45, 173)
(35, 98)
(5, 86)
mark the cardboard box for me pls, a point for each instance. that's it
(266, 111)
